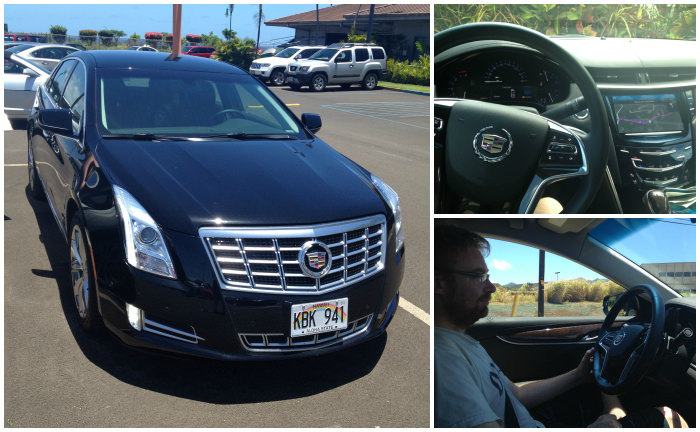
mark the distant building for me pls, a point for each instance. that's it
(396, 27)
(679, 276)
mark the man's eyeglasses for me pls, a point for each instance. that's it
(481, 277)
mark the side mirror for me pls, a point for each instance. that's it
(312, 122)
(56, 121)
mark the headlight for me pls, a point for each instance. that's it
(304, 69)
(145, 247)
(391, 198)
(264, 65)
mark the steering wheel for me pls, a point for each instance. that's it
(624, 355)
(496, 154)
(228, 111)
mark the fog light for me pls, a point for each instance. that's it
(135, 316)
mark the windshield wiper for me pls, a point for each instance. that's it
(147, 137)
(246, 136)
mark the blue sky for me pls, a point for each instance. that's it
(655, 241)
(32, 17)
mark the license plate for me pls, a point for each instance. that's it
(319, 317)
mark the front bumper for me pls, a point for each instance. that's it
(194, 316)
(298, 78)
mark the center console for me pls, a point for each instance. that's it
(654, 137)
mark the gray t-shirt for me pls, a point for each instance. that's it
(469, 388)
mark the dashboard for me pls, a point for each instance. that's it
(505, 76)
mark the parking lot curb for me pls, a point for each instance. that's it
(406, 91)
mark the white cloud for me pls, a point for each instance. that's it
(501, 265)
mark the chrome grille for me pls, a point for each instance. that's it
(255, 66)
(280, 342)
(269, 259)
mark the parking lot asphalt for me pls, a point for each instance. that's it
(58, 376)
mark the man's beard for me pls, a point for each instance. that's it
(463, 315)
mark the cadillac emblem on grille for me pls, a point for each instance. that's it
(492, 147)
(315, 259)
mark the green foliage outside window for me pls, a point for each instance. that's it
(601, 20)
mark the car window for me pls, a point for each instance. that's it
(361, 54)
(56, 84)
(378, 53)
(74, 96)
(189, 104)
(569, 288)
(325, 54)
(12, 67)
(308, 52)
(344, 56)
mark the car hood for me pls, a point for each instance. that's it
(308, 62)
(272, 60)
(186, 185)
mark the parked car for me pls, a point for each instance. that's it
(344, 63)
(201, 51)
(46, 55)
(203, 217)
(22, 78)
(142, 48)
(273, 68)
(611, 127)
(655, 311)
(12, 37)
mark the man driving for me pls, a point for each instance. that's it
(470, 389)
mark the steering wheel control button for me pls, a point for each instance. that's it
(562, 151)
(492, 144)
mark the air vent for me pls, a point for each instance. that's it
(671, 75)
(616, 76)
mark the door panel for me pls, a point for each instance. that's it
(535, 348)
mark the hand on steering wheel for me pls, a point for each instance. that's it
(496, 153)
(623, 355)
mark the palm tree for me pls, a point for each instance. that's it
(259, 16)
(229, 14)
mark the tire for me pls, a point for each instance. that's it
(318, 82)
(36, 190)
(277, 77)
(370, 82)
(82, 278)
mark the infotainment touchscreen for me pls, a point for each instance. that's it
(647, 114)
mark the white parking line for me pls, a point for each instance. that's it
(414, 310)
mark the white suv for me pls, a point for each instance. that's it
(342, 63)
(273, 68)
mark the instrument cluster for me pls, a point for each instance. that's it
(504, 76)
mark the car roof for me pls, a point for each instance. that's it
(119, 59)
(29, 45)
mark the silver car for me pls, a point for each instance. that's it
(45, 55)
(22, 78)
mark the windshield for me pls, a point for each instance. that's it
(598, 20)
(665, 248)
(189, 104)
(287, 53)
(325, 54)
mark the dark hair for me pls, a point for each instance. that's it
(450, 238)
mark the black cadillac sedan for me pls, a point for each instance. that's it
(203, 217)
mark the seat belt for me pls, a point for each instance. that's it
(511, 420)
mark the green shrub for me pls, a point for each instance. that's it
(409, 73)
(555, 292)
(88, 36)
(576, 290)
(58, 32)
(238, 52)
(596, 292)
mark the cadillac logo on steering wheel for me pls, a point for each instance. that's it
(493, 145)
